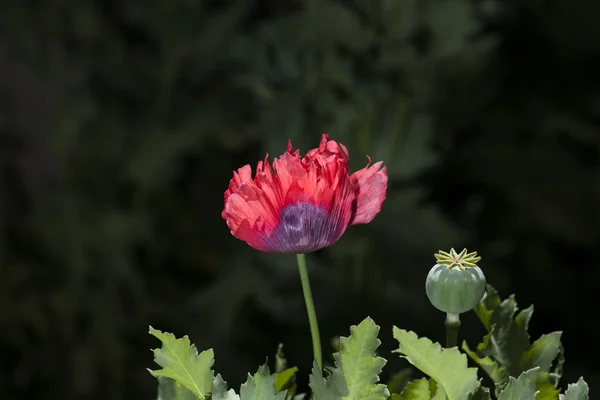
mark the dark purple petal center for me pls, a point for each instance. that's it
(303, 228)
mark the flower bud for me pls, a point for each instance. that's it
(455, 284)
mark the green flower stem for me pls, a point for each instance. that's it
(452, 325)
(310, 309)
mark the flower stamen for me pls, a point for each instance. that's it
(455, 260)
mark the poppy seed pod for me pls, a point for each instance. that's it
(455, 284)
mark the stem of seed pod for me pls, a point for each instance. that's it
(452, 325)
(310, 309)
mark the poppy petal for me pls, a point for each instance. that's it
(270, 185)
(240, 176)
(249, 215)
(288, 169)
(370, 184)
(327, 151)
(300, 205)
(305, 227)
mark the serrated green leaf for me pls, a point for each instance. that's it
(491, 367)
(482, 393)
(220, 391)
(357, 368)
(447, 366)
(261, 386)
(507, 340)
(487, 305)
(576, 391)
(283, 378)
(180, 361)
(415, 390)
(505, 350)
(168, 389)
(542, 352)
(522, 388)
(358, 363)
(325, 389)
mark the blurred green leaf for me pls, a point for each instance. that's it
(576, 391)
(280, 360)
(415, 152)
(220, 391)
(453, 23)
(169, 389)
(261, 386)
(415, 390)
(283, 378)
(482, 393)
(338, 23)
(399, 380)
(546, 389)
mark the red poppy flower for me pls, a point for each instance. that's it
(300, 205)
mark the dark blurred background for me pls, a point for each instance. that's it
(121, 123)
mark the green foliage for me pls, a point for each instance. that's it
(261, 386)
(482, 393)
(355, 375)
(522, 388)
(170, 389)
(220, 392)
(187, 375)
(447, 366)
(415, 390)
(399, 380)
(520, 370)
(576, 391)
(543, 352)
(333, 388)
(506, 352)
(180, 361)
(357, 368)
(358, 363)
(284, 378)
